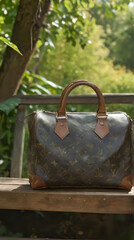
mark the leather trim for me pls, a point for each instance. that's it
(62, 128)
(126, 182)
(36, 182)
(87, 187)
(101, 103)
(101, 128)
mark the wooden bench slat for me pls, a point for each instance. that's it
(17, 194)
(13, 181)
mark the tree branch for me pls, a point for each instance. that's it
(30, 17)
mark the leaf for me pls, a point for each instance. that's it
(50, 43)
(10, 44)
(53, 85)
(36, 91)
(42, 89)
(9, 104)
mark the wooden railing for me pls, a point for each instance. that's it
(18, 144)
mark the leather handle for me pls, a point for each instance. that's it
(62, 129)
(63, 99)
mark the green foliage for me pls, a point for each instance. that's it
(122, 41)
(9, 104)
(3, 229)
(30, 85)
(119, 33)
(7, 15)
(6, 141)
(66, 63)
(5, 232)
(8, 10)
(68, 16)
(7, 122)
(10, 44)
(104, 11)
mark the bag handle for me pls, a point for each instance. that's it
(63, 99)
(101, 128)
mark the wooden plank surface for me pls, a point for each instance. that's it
(110, 98)
(17, 194)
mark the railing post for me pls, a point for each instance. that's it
(133, 153)
(18, 143)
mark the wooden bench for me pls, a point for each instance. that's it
(16, 193)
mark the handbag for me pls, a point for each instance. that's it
(80, 149)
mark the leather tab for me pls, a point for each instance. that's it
(102, 128)
(126, 182)
(36, 182)
(62, 128)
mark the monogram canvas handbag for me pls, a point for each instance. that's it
(80, 149)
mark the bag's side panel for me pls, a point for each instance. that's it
(35, 180)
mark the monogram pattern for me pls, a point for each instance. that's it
(82, 159)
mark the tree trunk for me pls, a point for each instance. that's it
(29, 20)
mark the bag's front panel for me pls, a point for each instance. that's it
(82, 158)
